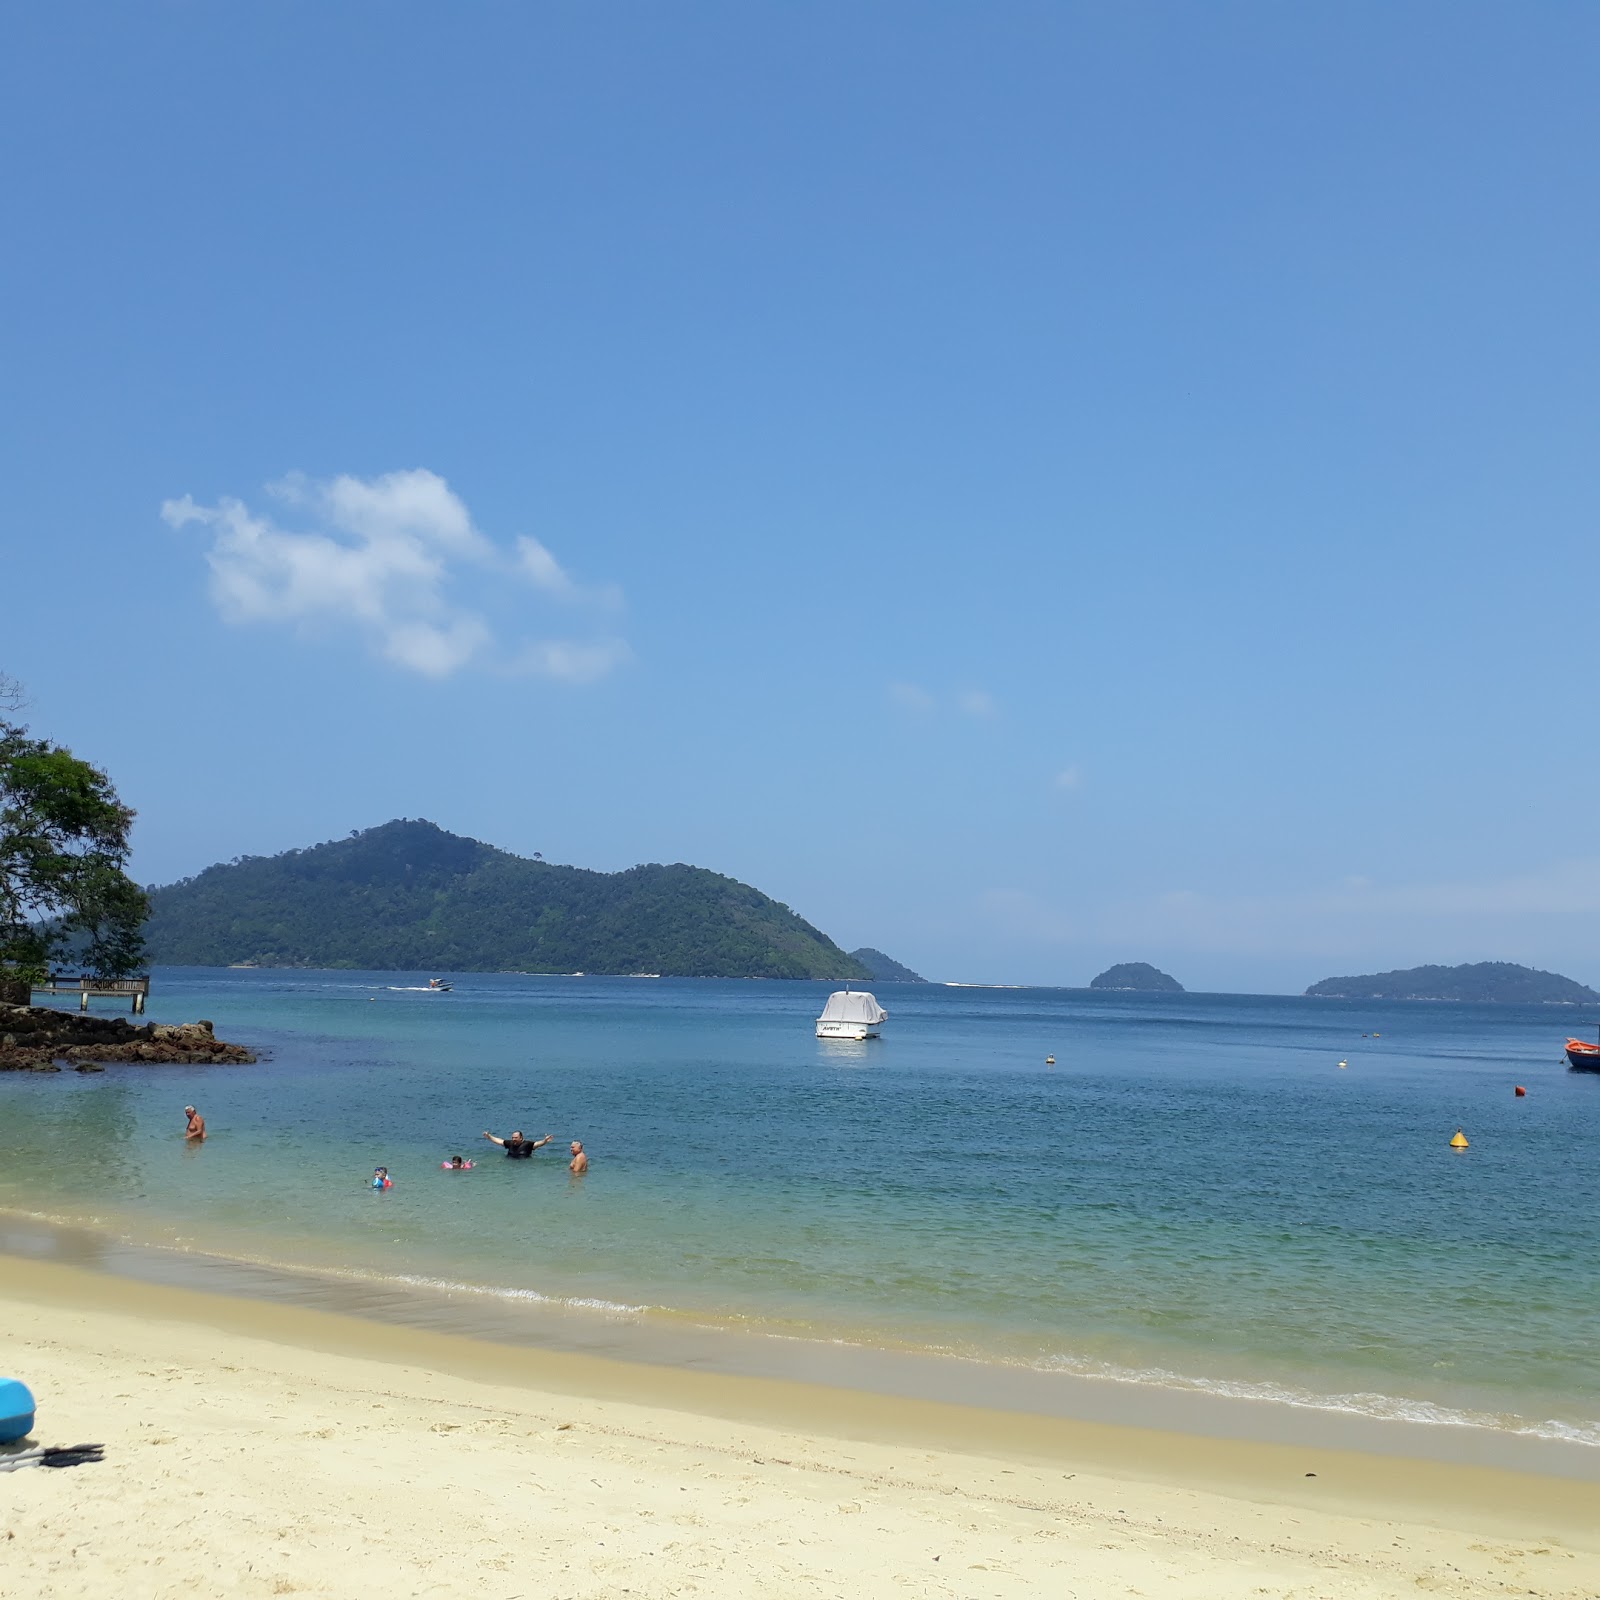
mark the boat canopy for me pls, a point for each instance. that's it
(852, 1005)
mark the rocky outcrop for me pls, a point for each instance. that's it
(38, 1039)
(1137, 975)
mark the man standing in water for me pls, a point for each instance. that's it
(580, 1162)
(196, 1131)
(518, 1147)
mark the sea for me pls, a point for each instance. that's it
(1246, 1198)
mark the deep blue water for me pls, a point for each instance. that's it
(1195, 1190)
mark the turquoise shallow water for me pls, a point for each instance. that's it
(1195, 1195)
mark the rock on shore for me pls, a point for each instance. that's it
(38, 1039)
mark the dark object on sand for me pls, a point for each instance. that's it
(54, 1455)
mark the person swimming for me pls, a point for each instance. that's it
(456, 1164)
(381, 1178)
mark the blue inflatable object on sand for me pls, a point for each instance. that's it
(16, 1411)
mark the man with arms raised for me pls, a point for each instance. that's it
(518, 1146)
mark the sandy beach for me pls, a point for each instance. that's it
(254, 1449)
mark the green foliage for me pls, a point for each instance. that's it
(1501, 981)
(884, 969)
(1136, 975)
(410, 897)
(63, 848)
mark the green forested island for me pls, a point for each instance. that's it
(407, 896)
(884, 969)
(1498, 981)
(1136, 975)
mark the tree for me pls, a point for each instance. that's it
(63, 848)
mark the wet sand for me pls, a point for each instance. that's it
(254, 1448)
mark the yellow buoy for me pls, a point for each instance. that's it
(1459, 1142)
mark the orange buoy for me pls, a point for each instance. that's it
(1520, 1091)
(1459, 1142)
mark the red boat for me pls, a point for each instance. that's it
(1583, 1056)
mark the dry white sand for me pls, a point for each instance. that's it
(260, 1450)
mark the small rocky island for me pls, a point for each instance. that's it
(40, 1039)
(1138, 975)
(1496, 982)
(885, 969)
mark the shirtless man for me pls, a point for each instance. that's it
(580, 1162)
(519, 1147)
(197, 1125)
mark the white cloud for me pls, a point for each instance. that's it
(909, 697)
(398, 559)
(435, 652)
(970, 702)
(572, 660)
(541, 568)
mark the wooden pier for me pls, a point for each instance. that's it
(138, 989)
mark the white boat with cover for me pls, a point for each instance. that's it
(851, 1014)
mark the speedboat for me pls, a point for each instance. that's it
(1583, 1056)
(438, 986)
(851, 1014)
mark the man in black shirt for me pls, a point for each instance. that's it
(518, 1147)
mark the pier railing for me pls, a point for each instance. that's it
(137, 989)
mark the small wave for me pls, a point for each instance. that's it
(412, 1280)
(494, 1292)
(1362, 1403)
(1370, 1405)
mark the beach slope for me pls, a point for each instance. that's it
(323, 1456)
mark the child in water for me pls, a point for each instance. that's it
(381, 1179)
(456, 1164)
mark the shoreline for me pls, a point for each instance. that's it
(267, 1449)
(681, 1343)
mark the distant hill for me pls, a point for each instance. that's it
(1136, 975)
(884, 968)
(410, 897)
(1500, 981)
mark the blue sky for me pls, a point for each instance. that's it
(1027, 485)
